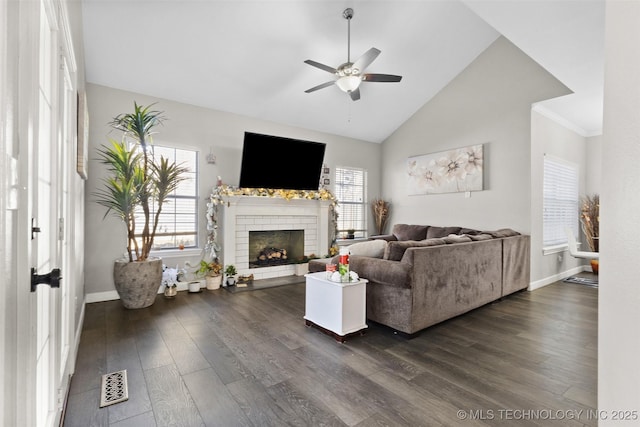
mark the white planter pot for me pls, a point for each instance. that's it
(302, 269)
(214, 282)
(195, 285)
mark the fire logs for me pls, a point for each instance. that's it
(272, 256)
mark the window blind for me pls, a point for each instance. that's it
(351, 190)
(178, 222)
(560, 200)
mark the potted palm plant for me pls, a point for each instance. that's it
(135, 190)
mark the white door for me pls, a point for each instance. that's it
(33, 155)
(44, 247)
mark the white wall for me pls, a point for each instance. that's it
(549, 137)
(488, 103)
(594, 165)
(196, 128)
(619, 293)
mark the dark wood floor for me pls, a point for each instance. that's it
(247, 359)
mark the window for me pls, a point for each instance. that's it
(351, 192)
(560, 201)
(178, 225)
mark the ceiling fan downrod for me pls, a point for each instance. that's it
(348, 14)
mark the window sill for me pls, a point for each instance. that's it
(550, 250)
(174, 253)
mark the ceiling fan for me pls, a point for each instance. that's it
(351, 74)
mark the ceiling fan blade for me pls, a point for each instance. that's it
(366, 59)
(321, 66)
(381, 78)
(322, 86)
(355, 94)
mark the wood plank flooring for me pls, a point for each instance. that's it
(247, 359)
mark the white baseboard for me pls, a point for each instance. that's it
(78, 333)
(113, 295)
(101, 296)
(552, 279)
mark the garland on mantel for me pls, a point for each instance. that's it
(221, 191)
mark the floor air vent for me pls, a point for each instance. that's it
(114, 388)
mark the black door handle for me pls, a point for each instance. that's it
(52, 279)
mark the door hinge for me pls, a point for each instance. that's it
(34, 229)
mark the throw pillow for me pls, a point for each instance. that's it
(440, 232)
(410, 231)
(454, 238)
(478, 237)
(370, 248)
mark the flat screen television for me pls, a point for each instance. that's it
(280, 163)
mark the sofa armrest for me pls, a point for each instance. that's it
(382, 271)
(516, 263)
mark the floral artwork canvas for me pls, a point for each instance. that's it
(446, 172)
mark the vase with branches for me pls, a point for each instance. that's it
(590, 220)
(380, 209)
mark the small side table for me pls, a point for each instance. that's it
(336, 308)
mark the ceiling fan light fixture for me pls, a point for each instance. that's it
(348, 83)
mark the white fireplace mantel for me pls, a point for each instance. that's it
(241, 214)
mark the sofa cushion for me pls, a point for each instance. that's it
(503, 232)
(435, 232)
(370, 248)
(387, 237)
(410, 231)
(478, 237)
(454, 238)
(395, 250)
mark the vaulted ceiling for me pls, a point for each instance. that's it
(247, 57)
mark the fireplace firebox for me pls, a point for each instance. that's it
(275, 247)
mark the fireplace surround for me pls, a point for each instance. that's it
(242, 214)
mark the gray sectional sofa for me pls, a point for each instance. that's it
(421, 275)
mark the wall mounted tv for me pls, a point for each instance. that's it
(280, 163)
